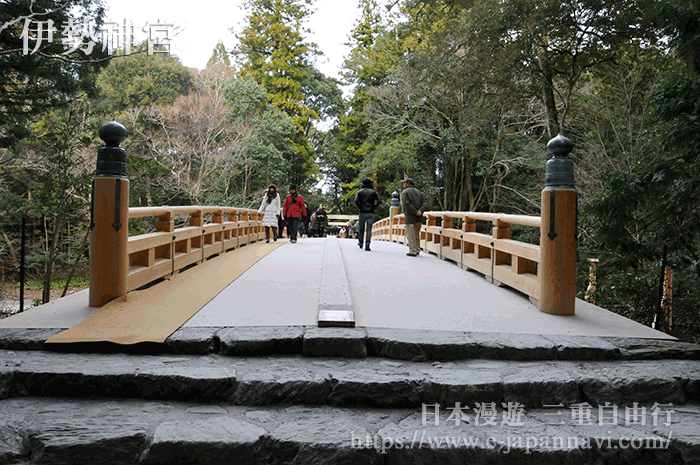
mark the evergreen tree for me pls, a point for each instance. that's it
(141, 80)
(219, 56)
(273, 51)
(50, 73)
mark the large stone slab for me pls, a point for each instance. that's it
(464, 384)
(375, 386)
(218, 440)
(655, 349)
(417, 346)
(318, 438)
(685, 434)
(87, 440)
(199, 383)
(193, 340)
(335, 342)
(504, 346)
(14, 449)
(538, 384)
(261, 340)
(7, 379)
(25, 339)
(584, 348)
(117, 375)
(282, 382)
(642, 382)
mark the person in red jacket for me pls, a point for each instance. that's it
(294, 208)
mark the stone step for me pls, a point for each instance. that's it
(345, 382)
(401, 344)
(45, 431)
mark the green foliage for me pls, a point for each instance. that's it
(645, 213)
(219, 56)
(56, 284)
(140, 80)
(269, 140)
(272, 50)
(50, 76)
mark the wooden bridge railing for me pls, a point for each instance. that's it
(341, 220)
(168, 250)
(119, 263)
(499, 258)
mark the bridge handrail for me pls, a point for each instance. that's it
(143, 212)
(168, 250)
(499, 258)
(506, 218)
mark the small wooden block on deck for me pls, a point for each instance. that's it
(334, 317)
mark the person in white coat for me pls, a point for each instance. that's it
(270, 209)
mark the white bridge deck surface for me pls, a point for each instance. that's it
(387, 290)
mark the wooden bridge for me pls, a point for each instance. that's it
(120, 264)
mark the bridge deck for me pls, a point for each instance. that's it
(387, 289)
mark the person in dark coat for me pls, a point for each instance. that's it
(294, 208)
(305, 220)
(321, 221)
(366, 201)
(413, 203)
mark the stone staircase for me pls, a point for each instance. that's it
(297, 395)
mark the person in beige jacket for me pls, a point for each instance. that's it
(270, 210)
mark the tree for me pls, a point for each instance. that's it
(141, 80)
(555, 42)
(376, 47)
(646, 213)
(266, 137)
(51, 182)
(49, 74)
(272, 51)
(219, 56)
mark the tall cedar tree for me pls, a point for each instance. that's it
(273, 52)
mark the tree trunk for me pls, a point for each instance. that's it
(470, 192)
(548, 88)
(466, 188)
(11, 249)
(447, 185)
(81, 251)
(660, 320)
(46, 294)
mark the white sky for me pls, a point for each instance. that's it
(206, 22)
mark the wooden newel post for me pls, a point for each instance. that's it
(558, 232)
(109, 260)
(393, 212)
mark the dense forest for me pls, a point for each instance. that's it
(462, 95)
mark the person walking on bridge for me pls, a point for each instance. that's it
(413, 203)
(270, 209)
(367, 201)
(294, 209)
(321, 221)
(305, 220)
